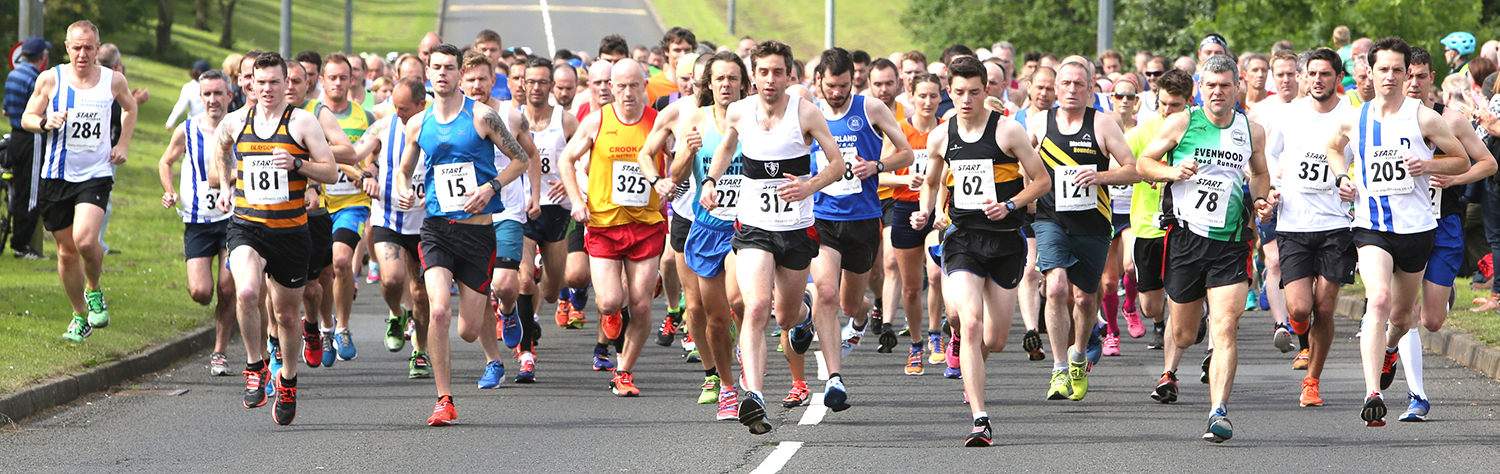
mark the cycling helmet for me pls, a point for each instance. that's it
(1460, 41)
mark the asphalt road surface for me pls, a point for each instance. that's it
(548, 25)
(365, 415)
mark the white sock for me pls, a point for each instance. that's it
(983, 414)
(525, 356)
(1410, 348)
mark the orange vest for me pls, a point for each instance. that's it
(918, 141)
(619, 142)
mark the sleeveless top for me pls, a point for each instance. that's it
(550, 144)
(1078, 210)
(512, 196)
(981, 171)
(767, 156)
(386, 212)
(79, 151)
(850, 198)
(196, 202)
(918, 141)
(1298, 140)
(263, 193)
(618, 193)
(887, 192)
(457, 160)
(727, 189)
(347, 191)
(1380, 173)
(1213, 202)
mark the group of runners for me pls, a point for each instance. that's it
(756, 196)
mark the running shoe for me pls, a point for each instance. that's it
(851, 338)
(1202, 328)
(613, 325)
(98, 313)
(834, 395)
(1032, 344)
(1251, 302)
(1166, 388)
(752, 414)
(801, 335)
(419, 366)
(601, 360)
(935, 349)
(510, 329)
(693, 356)
(394, 339)
(668, 332)
(1158, 339)
(623, 385)
(255, 387)
(887, 338)
(443, 413)
(710, 392)
(914, 362)
(1310, 397)
(1374, 410)
(954, 344)
(1060, 388)
(729, 405)
(1388, 371)
(688, 345)
(953, 373)
(285, 408)
(1207, 360)
(906, 331)
(980, 436)
(575, 317)
(1078, 381)
(1282, 338)
(218, 365)
(1304, 357)
(1416, 410)
(564, 311)
(798, 396)
(1095, 347)
(312, 346)
(330, 348)
(78, 330)
(344, 340)
(1134, 324)
(1219, 429)
(373, 275)
(494, 373)
(1112, 345)
(528, 369)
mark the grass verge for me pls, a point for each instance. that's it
(874, 27)
(1484, 326)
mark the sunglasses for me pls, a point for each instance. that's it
(1123, 95)
(1154, 73)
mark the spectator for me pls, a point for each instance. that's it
(19, 156)
(188, 99)
(231, 66)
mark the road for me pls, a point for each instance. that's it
(364, 415)
(548, 25)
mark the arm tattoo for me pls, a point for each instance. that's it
(506, 141)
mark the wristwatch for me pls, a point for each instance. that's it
(495, 185)
(655, 179)
(1010, 205)
(879, 166)
(707, 181)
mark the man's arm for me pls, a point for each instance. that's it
(335, 139)
(36, 119)
(175, 148)
(1436, 130)
(1150, 165)
(1260, 182)
(815, 126)
(409, 157)
(222, 155)
(126, 99)
(1483, 163)
(1011, 138)
(937, 143)
(320, 166)
(722, 156)
(582, 142)
(497, 133)
(663, 129)
(883, 120)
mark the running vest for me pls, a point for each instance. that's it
(887, 192)
(918, 141)
(550, 144)
(1212, 202)
(514, 195)
(1385, 187)
(769, 155)
(1298, 139)
(981, 171)
(1078, 210)
(850, 198)
(618, 193)
(1445, 201)
(1145, 199)
(197, 203)
(386, 212)
(458, 161)
(347, 191)
(727, 188)
(263, 193)
(79, 151)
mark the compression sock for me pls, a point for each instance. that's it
(1112, 313)
(1411, 362)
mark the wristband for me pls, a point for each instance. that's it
(707, 181)
(1339, 180)
(368, 175)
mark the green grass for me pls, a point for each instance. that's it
(874, 27)
(1484, 326)
(145, 286)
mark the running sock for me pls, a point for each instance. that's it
(1112, 312)
(878, 306)
(530, 329)
(600, 346)
(916, 346)
(1411, 362)
(1219, 408)
(256, 367)
(1076, 357)
(711, 372)
(310, 326)
(1129, 283)
(1390, 350)
(288, 382)
(565, 294)
(934, 333)
(860, 327)
(980, 415)
(1059, 366)
(835, 375)
(1302, 339)
(580, 298)
(527, 356)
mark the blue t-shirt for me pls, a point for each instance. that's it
(456, 142)
(502, 87)
(840, 201)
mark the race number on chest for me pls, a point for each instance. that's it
(1207, 201)
(83, 130)
(973, 184)
(630, 187)
(1069, 196)
(847, 183)
(1385, 171)
(264, 182)
(451, 182)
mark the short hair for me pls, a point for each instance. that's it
(1325, 54)
(337, 57)
(966, 67)
(563, 55)
(771, 48)
(80, 24)
(1340, 35)
(251, 56)
(270, 60)
(109, 56)
(956, 50)
(472, 59)
(998, 63)
(1282, 45)
(1005, 45)
(1040, 69)
(541, 62)
(1392, 44)
(1262, 58)
(1219, 63)
(1176, 82)
(834, 61)
(1419, 55)
(1031, 56)
(859, 56)
(447, 49)
(916, 57)
(882, 64)
(311, 57)
(214, 75)
(486, 36)
(705, 94)
(1110, 53)
(413, 86)
(678, 33)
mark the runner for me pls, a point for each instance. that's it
(71, 107)
(676, 43)
(1042, 96)
(454, 137)
(550, 128)
(884, 84)
(909, 244)
(1284, 70)
(626, 232)
(206, 224)
(1214, 149)
(268, 235)
(774, 236)
(396, 232)
(981, 254)
(317, 296)
(345, 201)
(1119, 270)
(1073, 221)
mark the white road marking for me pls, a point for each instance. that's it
(822, 366)
(815, 411)
(778, 458)
(547, 27)
(559, 8)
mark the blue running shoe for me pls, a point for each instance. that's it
(510, 330)
(528, 372)
(330, 353)
(1096, 347)
(493, 374)
(275, 367)
(1265, 303)
(344, 340)
(601, 359)
(1416, 410)
(834, 395)
(1219, 428)
(953, 373)
(801, 335)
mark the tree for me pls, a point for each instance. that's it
(226, 37)
(164, 18)
(1160, 26)
(200, 14)
(1058, 26)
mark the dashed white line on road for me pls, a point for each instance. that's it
(778, 458)
(815, 411)
(559, 8)
(822, 366)
(547, 27)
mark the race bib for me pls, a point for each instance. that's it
(549, 168)
(1307, 171)
(727, 194)
(1385, 172)
(1068, 196)
(918, 167)
(847, 183)
(209, 198)
(84, 130)
(1435, 194)
(264, 182)
(451, 181)
(973, 184)
(630, 187)
(766, 208)
(344, 186)
(1121, 192)
(1207, 201)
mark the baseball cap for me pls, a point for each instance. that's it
(34, 45)
(201, 65)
